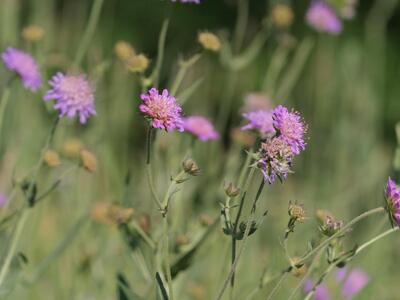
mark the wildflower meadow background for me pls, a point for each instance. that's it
(199, 149)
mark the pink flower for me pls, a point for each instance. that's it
(162, 110)
(261, 121)
(323, 18)
(24, 66)
(392, 194)
(353, 283)
(290, 128)
(200, 127)
(74, 96)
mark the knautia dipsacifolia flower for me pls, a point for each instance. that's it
(24, 66)
(321, 292)
(290, 128)
(74, 96)
(274, 159)
(323, 18)
(200, 127)
(260, 121)
(162, 110)
(392, 195)
(353, 281)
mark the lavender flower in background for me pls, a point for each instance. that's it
(261, 121)
(3, 200)
(200, 127)
(392, 194)
(24, 66)
(321, 292)
(256, 101)
(162, 110)
(290, 128)
(353, 283)
(323, 18)
(74, 96)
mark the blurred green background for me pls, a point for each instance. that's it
(348, 92)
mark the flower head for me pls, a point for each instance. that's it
(260, 120)
(321, 292)
(323, 18)
(200, 127)
(162, 110)
(353, 281)
(392, 194)
(74, 96)
(275, 159)
(331, 226)
(209, 41)
(290, 128)
(24, 66)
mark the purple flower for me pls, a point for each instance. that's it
(162, 110)
(392, 194)
(354, 281)
(74, 96)
(254, 102)
(321, 292)
(200, 127)
(3, 200)
(24, 66)
(261, 121)
(290, 128)
(275, 159)
(323, 18)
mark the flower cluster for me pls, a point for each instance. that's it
(392, 195)
(277, 152)
(162, 110)
(323, 18)
(74, 96)
(200, 127)
(24, 66)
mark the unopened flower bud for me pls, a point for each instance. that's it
(209, 41)
(124, 50)
(205, 220)
(137, 63)
(296, 211)
(51, 158)
(331, 226)
(72, 147)
(88, 160)
(190, 167)
(33, 33)
(282, 16)
(231, 190)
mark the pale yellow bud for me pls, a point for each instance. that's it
(33, 33)
(124, 50)
(89, 160)
(51, 158)
(71, 148)
(282, 15)
(209, 41)
(138, 63)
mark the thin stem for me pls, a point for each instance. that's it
(241, 24)
(341, 231)
(245, 237)
(375, 239)
(89, 31)
(13, 246)
(184, 66)
(148, 168)
(277, 286)
(155, 76)
(147, 239)
(3, 104)
(166, 258)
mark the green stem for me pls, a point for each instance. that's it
(89, 31)
(166, 258)
(148, 168)
(375, 239)
(148, 240)
(277, 286)
(184, 66)
(243, 246)
(241, 24)
(155, 75)
(3, 104)
(13, 246)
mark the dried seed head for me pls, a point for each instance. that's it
(33, 33)
(231, 190)
(298, 271)
(190, 167)
(111, 214)
(209, 41)
(296, 211)
(282, 16)
(88, 160)
(51, 158)
(137, 63)
(123, 50)
(331, 226)
(72, 147)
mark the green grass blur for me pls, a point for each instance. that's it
(348, 92)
